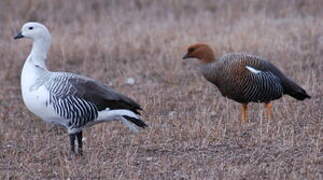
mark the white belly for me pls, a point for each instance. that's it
(37, 102)
(37, 98)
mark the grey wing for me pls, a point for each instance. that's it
(93, 92)
(66, 103)
(102, 96)
(80, 98)
(261, 86)
(289, 86)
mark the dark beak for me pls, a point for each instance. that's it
(19, 36)
(186, 56)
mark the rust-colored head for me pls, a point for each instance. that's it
(200, 51)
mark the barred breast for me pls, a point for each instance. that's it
(246, 78)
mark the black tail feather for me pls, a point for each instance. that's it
(295, 91)
(299, 95)
(136, 121)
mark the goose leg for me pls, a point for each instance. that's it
(79, 137)
(72, 142)
(244, 113)
(269, 111)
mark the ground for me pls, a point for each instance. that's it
(194, 132)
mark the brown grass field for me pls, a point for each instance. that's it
(194, 132)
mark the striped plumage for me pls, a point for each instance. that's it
(70, 100)
(245, 78)
(79, 98)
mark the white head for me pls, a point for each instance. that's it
(34, 31)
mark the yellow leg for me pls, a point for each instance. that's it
(269, 110)
(244, 113)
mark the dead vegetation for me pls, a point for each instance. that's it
(194, 132)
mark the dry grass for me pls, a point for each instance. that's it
(194, 132)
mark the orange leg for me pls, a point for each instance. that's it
(244, 113)
(269, 110)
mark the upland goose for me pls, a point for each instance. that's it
(70, 100)
(245, 78)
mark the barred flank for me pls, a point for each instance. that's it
(77, 110)
(236, 82)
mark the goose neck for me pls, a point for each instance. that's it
(38, 54)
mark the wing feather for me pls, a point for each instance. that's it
(94, 92)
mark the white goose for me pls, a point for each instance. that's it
(68, 99)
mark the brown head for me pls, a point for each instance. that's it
(203, 52)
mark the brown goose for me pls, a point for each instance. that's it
(245, 78)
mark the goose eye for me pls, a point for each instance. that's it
(31, 28)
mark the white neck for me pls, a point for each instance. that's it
(38, 54)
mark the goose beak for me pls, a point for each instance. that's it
(19, 36)
(186, 56)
